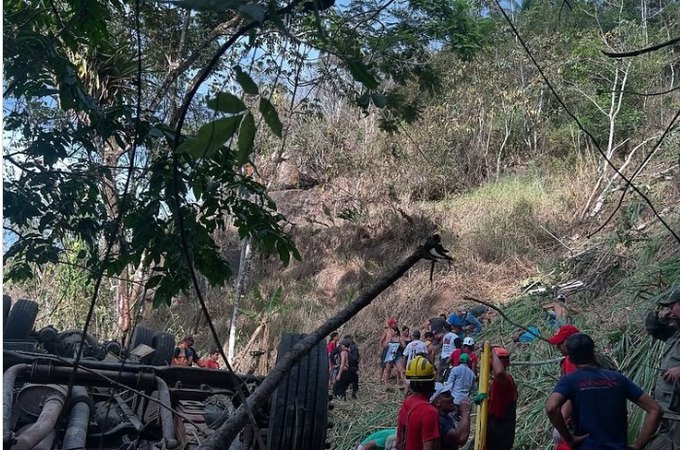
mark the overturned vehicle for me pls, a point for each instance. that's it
(113, 399)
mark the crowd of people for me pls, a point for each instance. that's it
(587, 408)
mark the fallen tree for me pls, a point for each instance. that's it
(431, 250)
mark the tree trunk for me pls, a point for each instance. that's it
(241, 283)
(223, 437)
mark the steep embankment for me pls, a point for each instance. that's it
(518, 228)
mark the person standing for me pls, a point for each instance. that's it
(448, 347)
(559, 340)
(332, 363)
(452, 434)
(599, 397)
(347, 371)
(461, 380)
(503, 396)
(664, 324)
(469, 348)
(415, 347)
(388, 334)
(184, 353)
(418, 420)
(211, 362)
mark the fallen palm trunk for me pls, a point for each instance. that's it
(223, 436)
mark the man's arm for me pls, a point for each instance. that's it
(497, 367)
(651, 422)
(553, 408)
(460, 434)
(431, 445)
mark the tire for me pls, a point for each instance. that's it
(164, 344)
(20, 319)
(141, 335)
(6, 305)
(298, 418)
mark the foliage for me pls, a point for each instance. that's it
(97, 154)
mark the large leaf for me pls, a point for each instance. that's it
(271, 117)
(247, 83)
(227, 103)
(246, 138)
(210, 137)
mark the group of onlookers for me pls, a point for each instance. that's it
(588, 406)
(185, 355)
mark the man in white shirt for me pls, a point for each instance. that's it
(447, 348)
(415, 347)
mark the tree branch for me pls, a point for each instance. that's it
(497, 309)
(641, 51)
(230, 429)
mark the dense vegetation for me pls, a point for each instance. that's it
(342, 136)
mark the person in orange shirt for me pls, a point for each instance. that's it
(184, 353)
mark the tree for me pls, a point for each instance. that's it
(118, 142)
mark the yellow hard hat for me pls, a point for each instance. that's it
(419, 369)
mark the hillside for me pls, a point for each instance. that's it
(142, 149)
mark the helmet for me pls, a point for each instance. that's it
(392, 322)
(469, 341)
(465, 358)
(419, 369)
(501, 352)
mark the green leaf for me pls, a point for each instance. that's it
(361, 74)
(227, 103)
(379, 100)
(153, 281)
(247, 83)
(271, 117)
(363, 101)
(210, 137)
(246, 138)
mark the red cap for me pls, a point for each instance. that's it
(392, 322)
(562, 334)
(501, 352)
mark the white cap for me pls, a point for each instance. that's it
(440, 388)
(468, 341)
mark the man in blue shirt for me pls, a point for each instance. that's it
(599, 403)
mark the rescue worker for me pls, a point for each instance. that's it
(664, 324)
(418, 420)
(503, 395)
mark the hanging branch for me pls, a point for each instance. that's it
(641, 51)
(497, 309)
(223, 436)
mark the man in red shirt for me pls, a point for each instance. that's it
(559, 340)
(468, 347)
(211, 362)
(418, 420)
(500, 433)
